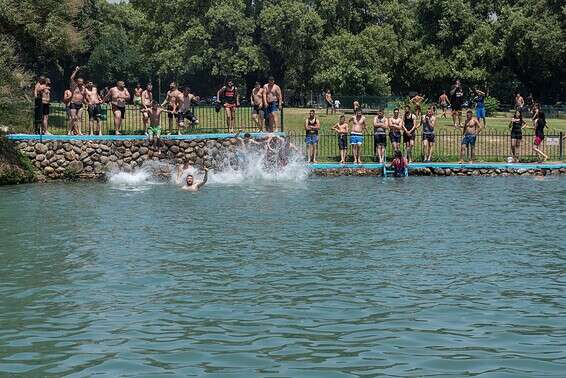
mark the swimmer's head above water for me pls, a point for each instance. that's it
(189, 180)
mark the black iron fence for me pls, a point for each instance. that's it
(491, 145)
(210, 121)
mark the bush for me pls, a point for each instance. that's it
(491, 105)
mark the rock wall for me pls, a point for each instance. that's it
(91, 159)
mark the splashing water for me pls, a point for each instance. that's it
(140, 178)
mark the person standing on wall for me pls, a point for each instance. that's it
(43, 91)
(516, 125)
(76, 103)
(118, 97)
(358, 128)
(273, 98)
(341, 129)
(540, 125)
(38, 113)
(172, 100)
(380, 126)
(94, 110)
(395, 127)
(312, 126)
(410, 126)
(229, 97)
(457, 102)
(258, 106)
(428, 123)
(471, 129)
(146, 103)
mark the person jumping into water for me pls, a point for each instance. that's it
(153, 131)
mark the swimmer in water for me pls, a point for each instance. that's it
(190, 184)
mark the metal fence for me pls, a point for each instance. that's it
(210, 121)
(491, 145)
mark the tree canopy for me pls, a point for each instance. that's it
(373, 47)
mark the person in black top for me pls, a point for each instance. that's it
(539, 126)
(516, 125)
(457, 101)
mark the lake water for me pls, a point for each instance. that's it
(284, 277)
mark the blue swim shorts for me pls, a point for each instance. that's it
(356, 139)
(469, 140)
(480, 112)
(311, 139)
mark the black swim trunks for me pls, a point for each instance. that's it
(45, 109)
(430, 137)
(395, 137)
(380, 140)
(342, 141)
(121, 109)
(408, 137)
(95, 112)
(75, 106)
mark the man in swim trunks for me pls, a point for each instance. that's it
(395, 128)
(444, 103)
(43, 92)
(428, 123)
(258, 111)
(137, 95)
(146, 101)
(355, 105)
(153, 113)
(93, 101)
(172, 101)
(76, 103)
(273, 98)
(312, 126)
(357, 135)
(410, 126)
(38, 108)
(380, 126)
(118, 97)
(229, 97)
(519, 102)
(471, 129)
(480, 106)
(457, 101)
(185, 112)
(341, 129)
(329, 102)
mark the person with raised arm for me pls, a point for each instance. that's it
(428, 123)
(273, 99)
(471, 129)
(410, 126)
(358, 127)
(76, 103)
(341, 129)
(380, 126)
(516, 125)
(118, 97)
(312, 126)
(229, 97)
(190, 184)
(94, 110)
(480, 106)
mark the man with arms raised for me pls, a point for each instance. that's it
(76, 103)
(173, 101)
(93, 101)
(258, 112)
(118, 96)
(190, 184)
(358, 123)
(471, 129)
(273, 98)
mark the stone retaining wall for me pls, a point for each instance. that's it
(91, 159)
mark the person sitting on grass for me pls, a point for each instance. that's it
(471, 129)
(341, 129)
(399, 164)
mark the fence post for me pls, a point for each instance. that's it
(561, 146)
(282, 120)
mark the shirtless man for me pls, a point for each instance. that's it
(471, 129)
(357, 135)
(355, 105)
(258, 112)
(172, 101)
(76, 103)
(341, 129)
(444, 103)
(329, 102)
(457, 101)
(417, 100)
(153, 114)
(190, 184)
(380, 126)
(118, 97)
(273, 99)
(312, 126)
(187, 100)
(93, 101)
(229, 97)
(146, 101)
(428, 123)
(43, 91)
(395, 129)
(137, 95)
(38, 108)
(519, 102)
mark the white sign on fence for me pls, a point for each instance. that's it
(553, 141)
